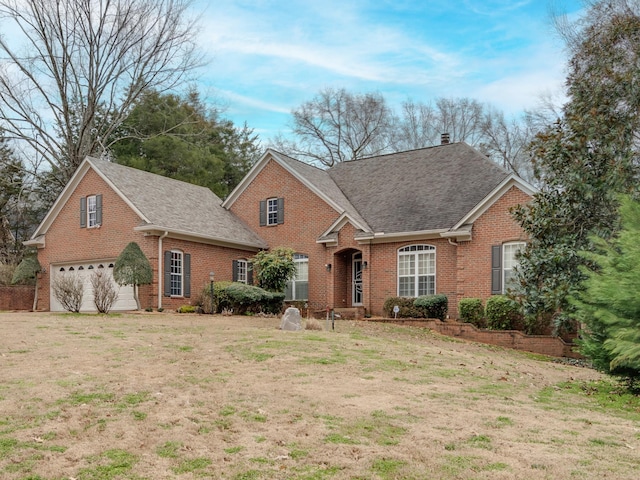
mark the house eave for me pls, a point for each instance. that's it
(381, 237)
(38, 242)
(156, 230)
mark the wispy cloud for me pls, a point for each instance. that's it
(270, 56)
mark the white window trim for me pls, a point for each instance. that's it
(92, 208)
(272, 211)
(181, 274)
(299, 258)
(242, 270)
(419, 249)
(514, 263)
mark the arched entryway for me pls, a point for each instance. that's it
(349, 282)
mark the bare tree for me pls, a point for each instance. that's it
(82, 66)
(338, 126)
(507, 143)
(68, 290)
(421, 124)
(104, 292)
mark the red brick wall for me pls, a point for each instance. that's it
(306, 217)
(65, 241)
(495, 227)
(461, 271)
(17, 297)
(542, 344)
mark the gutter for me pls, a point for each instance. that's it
(160, 270)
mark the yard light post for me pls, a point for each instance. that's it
(211, 275)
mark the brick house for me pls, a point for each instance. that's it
(433, 220)
(181, 228)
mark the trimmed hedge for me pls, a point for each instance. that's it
(241, 298)
(503, 313)
(425, 306)
(471, 311)
(432, 306)
(407, 308)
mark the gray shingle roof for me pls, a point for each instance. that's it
(178, 206)
(323, 182)
(427, 189)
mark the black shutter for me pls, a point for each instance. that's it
(167, 273)
(249, 273)
(263, 213)
(280, 210)
(234, 267)
(496, 269)
(187, 275)
(98, 209)
(83, 212)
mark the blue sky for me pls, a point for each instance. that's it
(269, 56)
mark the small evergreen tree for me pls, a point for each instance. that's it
(133, 268)
(274, 268)
(609, 306)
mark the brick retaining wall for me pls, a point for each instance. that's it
(17, 297)
(542, 344)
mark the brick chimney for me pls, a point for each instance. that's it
(444, 139)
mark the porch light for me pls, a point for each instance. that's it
(365, 264)
(328, 267)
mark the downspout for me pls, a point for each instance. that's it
(160, 270)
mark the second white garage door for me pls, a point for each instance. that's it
(125, 300)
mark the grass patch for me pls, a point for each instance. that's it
(192, 465)
(233, 450)
(111, 464)
(169, 449)
(386, 468)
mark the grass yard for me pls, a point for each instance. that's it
(164, 396)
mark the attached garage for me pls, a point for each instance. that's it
(125, 300)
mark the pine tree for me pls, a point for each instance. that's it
(609, 306)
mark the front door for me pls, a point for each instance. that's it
(357, 279)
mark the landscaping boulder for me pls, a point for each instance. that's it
(291, 320)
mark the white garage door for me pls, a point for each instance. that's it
(125, 299)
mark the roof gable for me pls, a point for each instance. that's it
(314, 178)
(162, 204)
(421, 190)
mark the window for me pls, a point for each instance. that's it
(416, 270)
(504, 259)
(298, 287)
(241, 271)
(91, 211)
(509, 261)
(176, 273)
(271, 212)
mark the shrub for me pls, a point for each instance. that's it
(26, 271)
(274, 268)
(251, 299)
(472, 311)
(239, 298)
(407, 308)
(187, 309)
(104, 293)
(502, 313)
(432, 306)
(68, 290)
